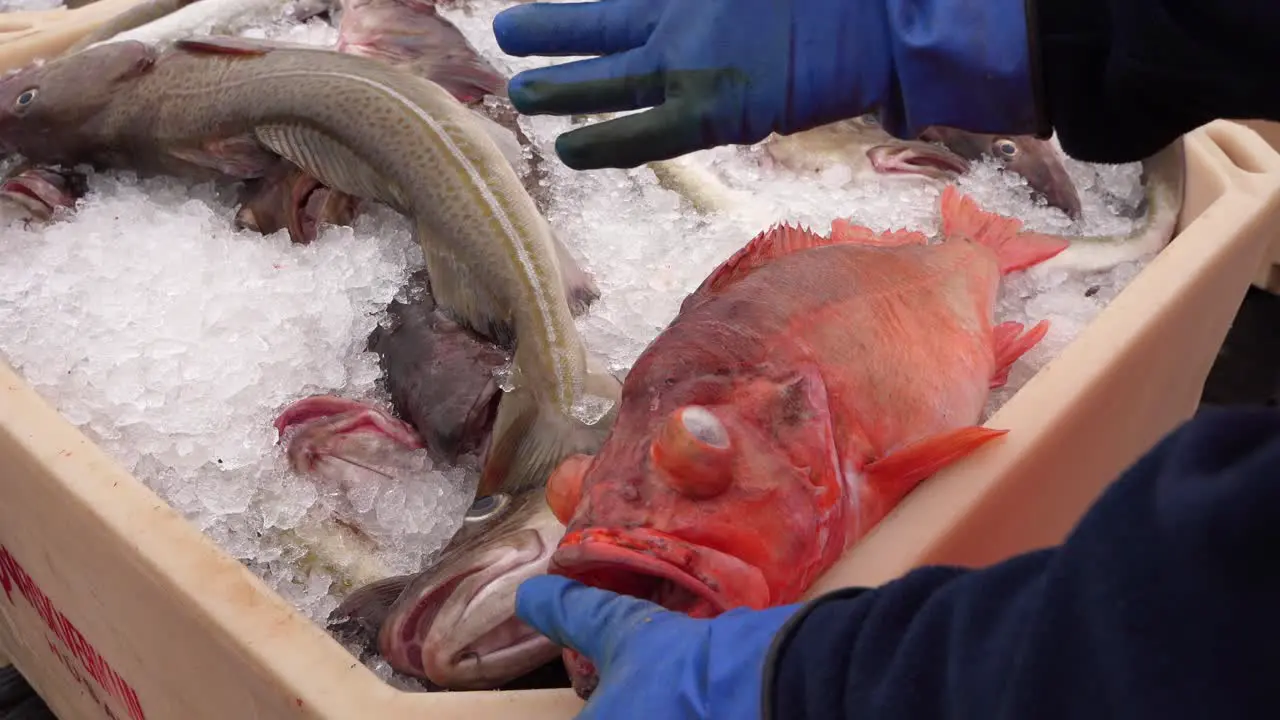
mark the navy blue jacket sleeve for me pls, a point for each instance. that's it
(1163, 602)
(1123, 78)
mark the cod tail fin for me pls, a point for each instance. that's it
(1015, 250)
(532, 435)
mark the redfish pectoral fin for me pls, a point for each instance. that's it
(897, 473)
(1010, 344)
(1015, 250)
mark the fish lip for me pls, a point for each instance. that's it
(420, 636)
(694, 574)
(706, 581)
(917, 158)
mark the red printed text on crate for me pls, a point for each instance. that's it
(13, 575)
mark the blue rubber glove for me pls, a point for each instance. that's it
(654, 663)
(732, 71)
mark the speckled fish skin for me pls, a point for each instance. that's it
(375, 132)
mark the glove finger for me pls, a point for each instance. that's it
(667, 131)
(605, 84)
(587, 28)
(592, 621)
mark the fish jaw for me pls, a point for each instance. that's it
(651, 565)
(41, 191)
(340, 439)
(916, 158)
(646, 563)
(456, 624)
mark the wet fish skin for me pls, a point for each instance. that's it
(380, 134)
(749, 452)
(408, 34)
(1030, 157)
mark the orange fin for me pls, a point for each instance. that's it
(778, 241)
(1015, 250)
(222, 46)
(1010, 344)
(907, 467)
(843, 231)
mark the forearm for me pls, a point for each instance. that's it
(1161, 603)
(1123, 78)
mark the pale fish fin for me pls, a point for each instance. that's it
(239, 156)
(580, 287)
(531, 435)
(329, 161)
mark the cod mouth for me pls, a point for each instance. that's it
(917, 158)
(457, 627)
(678, 575)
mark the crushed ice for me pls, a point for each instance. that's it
(172, 339)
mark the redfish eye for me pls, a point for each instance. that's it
(564, 487)
(694, 449)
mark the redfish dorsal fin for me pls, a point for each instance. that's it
(844, 231)
(778, 241)
(1015, 250)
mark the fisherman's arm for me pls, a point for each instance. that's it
(1123, 78)
(1161, 604)
(1117, 79)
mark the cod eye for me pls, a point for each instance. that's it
(486, 508)
(1005, 148)
(25, 98)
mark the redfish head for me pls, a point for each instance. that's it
(48, 112)
(725, 495)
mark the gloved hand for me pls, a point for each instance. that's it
(732, 71)
(654, 663)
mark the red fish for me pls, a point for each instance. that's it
(801, 392)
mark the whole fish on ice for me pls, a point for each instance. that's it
(368, 130)
(454, 624)
(806, 387)
(861, 143)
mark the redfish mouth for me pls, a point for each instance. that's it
(917, 158)
(678, 575)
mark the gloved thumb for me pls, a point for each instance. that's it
(592, 621)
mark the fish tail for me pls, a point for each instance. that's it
(1014, 249)
(532, 434)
